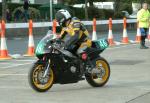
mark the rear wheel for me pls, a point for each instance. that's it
(36, 79)
(101, 78)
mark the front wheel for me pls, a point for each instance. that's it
(36, 79)
(101, 78)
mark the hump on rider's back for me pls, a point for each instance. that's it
(75, 19)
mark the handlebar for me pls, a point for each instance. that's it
(58, 44)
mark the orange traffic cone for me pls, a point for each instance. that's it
(125, 39)
(31, 49)
(54, 28)
(138, 36)
(94, 36)
(3, 51)
(110, 34)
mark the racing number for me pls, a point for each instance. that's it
(103, 43)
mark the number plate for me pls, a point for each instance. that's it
(102, 43)
(39, 49)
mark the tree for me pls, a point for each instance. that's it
(90, 3)
(86, 10)
(4, 9)
(141, 1)
(60, 1)
(70, 2)
(117, 5)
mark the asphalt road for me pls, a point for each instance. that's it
(19, 45)
(129, 81)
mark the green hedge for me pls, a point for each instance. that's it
(103, 13)
(93, 12)
(34, 13)
(13, 6)
(126, 7)
(0, 10)
(80, 12)
(108, 13)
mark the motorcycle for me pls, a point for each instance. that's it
(58, 65)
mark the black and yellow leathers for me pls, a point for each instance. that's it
(76, 34)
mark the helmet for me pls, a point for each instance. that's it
(62, 16)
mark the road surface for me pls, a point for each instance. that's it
(129, 81)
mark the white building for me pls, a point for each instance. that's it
(34, 1)
(104, 5)
(100, 5)
(21, 1)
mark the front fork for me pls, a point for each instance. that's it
(47, 68)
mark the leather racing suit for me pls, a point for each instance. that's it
(75, 36)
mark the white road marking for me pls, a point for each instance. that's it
(4, 63)
(25, 60)
(117, 43)
(121, 46)
(15, 65)
(132, 41)
(17, 38)
(13, 87)
(15, 55)
(13, 74)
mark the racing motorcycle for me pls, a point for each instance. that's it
(58, 65)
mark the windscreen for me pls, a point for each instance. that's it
(44, 45)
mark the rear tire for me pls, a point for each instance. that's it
(34, 78)
(95, 81)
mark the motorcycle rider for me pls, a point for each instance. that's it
(73, 33)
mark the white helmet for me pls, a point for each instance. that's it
(62, 16)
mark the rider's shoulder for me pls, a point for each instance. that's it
(75, 22)
(75, 19)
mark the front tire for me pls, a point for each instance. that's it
(35, 78)
(96, 81)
